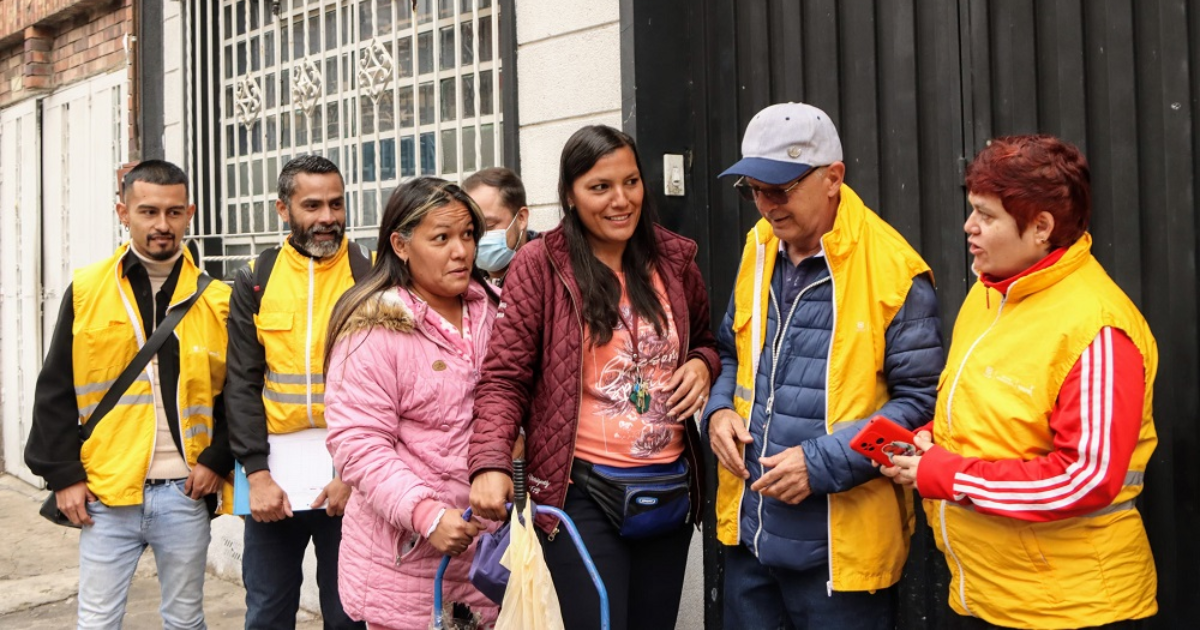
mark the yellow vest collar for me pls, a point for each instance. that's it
(1074, 258)
(189, 273)
(847, 227)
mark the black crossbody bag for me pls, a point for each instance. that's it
(49, 509)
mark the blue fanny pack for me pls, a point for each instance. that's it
(640, 502)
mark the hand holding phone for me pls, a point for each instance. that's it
(881, 440)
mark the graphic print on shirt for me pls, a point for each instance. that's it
(611, 428)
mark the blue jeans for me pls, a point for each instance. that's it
(765, 598)
(170, 523)
(272, 568)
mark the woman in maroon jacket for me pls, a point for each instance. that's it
(602, 353)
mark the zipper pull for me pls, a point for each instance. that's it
(554, 533)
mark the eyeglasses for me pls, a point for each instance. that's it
(775, 195)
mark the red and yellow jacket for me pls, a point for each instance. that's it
(1043, 429)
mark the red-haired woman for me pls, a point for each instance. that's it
(1043, 423)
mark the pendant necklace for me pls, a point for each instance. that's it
(639, 396)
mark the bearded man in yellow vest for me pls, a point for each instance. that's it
(142, 477)
(1044, 421)
(277, 324)
(833, 320)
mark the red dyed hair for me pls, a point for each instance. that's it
(1033, 174)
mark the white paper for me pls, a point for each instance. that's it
(301, 465)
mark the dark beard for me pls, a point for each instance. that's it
(306, 241)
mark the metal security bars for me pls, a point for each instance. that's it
(384, 91)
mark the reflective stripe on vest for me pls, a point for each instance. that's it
(316, 378)
(106, 334)
(291, 323)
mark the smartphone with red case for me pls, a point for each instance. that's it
(881, 439)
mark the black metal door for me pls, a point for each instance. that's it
(916, 87)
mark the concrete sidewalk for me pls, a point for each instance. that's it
(39, 574)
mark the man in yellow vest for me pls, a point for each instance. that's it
(142, 477)
(833, 320)
(277, 322)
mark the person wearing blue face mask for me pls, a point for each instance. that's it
(501, 195)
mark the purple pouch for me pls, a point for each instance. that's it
(487, 574)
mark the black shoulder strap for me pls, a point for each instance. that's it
(262, 272)
(142, 358)
(360, 262)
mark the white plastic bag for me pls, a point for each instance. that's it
(530, 602)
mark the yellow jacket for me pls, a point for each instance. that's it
(292, 321)
(872, 269)
(107, 333)
(1003, 375)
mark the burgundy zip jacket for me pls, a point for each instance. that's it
(532, 376)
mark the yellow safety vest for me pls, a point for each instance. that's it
(292, 321)
(1005, 368)
(872, 269)
(107, 333)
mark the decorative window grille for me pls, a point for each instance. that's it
(385, 91)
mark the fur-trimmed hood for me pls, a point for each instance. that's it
(385, 309)
(397, 310)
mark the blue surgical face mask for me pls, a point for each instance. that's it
(493, 253)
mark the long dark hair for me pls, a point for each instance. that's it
(409, 204)
(600, 289)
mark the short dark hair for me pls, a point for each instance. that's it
(312, 164)
(1031, 174)
(157, 172)
(512, 190)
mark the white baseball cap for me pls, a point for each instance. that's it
(785, 141)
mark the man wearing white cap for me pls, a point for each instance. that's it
(833, 320)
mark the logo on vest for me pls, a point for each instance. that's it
(439, 365)
(1013, 382)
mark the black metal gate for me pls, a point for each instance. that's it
(916, 87)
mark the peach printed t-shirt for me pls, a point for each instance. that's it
(611, 431)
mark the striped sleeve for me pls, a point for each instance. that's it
(1095, 423)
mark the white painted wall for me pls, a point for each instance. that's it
(568, 76)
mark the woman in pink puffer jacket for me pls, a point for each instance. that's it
(406, 344)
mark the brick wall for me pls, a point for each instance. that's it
(81, 40)
(17, 15)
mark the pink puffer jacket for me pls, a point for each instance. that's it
(398, 402)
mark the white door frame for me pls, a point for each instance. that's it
(74, 140)
(20, 277)
(79, 224)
